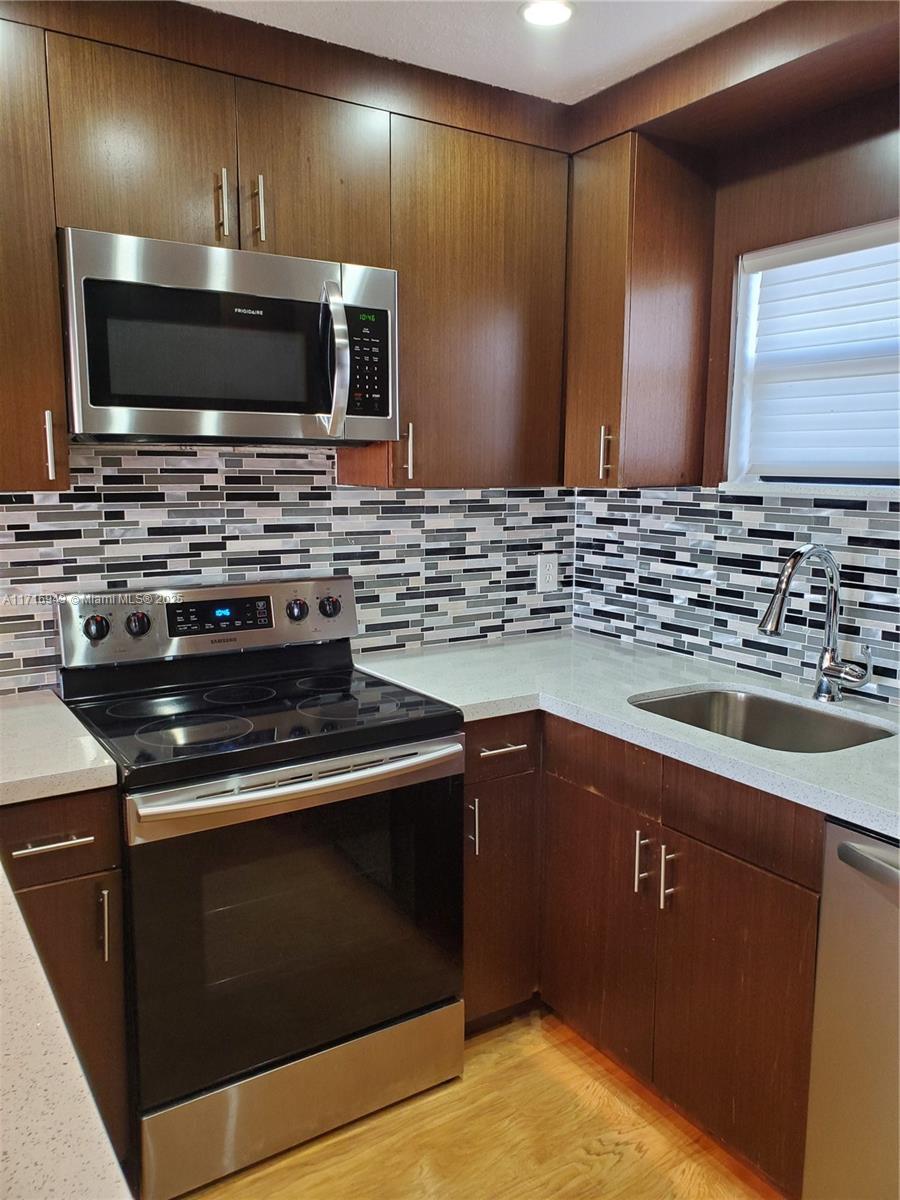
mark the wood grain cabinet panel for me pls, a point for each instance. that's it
(734, 995)
(326, 169)
(619, 770)
(139, 143)
(500, 746)
(31, 364)
(77, 928)
(766, 830)
(640, 249)
(501, 895)
(42, 841)
(478, 229)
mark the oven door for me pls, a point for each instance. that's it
(177, 342)
(315, 914)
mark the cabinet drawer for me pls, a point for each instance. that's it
(615, 769)
(765, 830)
(60, 837)
(502, 746)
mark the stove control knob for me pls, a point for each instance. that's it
(96, 628)
(297, 610)
(329, 606)
(137, 624)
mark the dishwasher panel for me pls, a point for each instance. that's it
(852, 1145)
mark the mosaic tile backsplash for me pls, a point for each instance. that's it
(428, 566)
(686, 570)
(690, 570)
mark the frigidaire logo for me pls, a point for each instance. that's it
(250, 312)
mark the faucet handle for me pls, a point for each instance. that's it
(851, 674)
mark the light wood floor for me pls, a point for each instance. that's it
(538, 1115)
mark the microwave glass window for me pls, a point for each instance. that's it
(213, 363)
(177, 348)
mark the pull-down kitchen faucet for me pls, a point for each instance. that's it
(832, 674)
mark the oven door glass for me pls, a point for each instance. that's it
(260, 942)
(175, 348)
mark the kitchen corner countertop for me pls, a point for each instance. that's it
(53, 1145)
(589, 679)
(46, 751)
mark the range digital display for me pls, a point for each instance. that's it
(192, 617)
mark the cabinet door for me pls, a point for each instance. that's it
(734, 995)
(639, 285)
(31, 366)
(326, 171)
(598, 940)
(500, 961)
(77, 929)
(478, 240)
(140, 144)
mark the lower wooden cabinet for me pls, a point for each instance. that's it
(734, 991)
(598, 935)
(501, 894)
(76, 925)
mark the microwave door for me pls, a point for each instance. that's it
(335, 343)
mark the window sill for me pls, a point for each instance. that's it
(825, 491)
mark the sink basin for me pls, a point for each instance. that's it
(764, 720)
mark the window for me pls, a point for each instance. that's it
(816, 373)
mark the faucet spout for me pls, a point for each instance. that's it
(832, 673)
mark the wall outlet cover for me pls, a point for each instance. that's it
(548, 572)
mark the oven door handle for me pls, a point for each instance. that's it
(309, 792)
(333, 422)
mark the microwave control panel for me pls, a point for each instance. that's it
(369, 362)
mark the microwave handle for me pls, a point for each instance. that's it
(333, 422)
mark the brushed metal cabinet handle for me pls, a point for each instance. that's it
(638, 873)
(410, 468)
(663, 890)
(104, 910)
(51, 451)
(261, 200)
(224, 222)
(69, 843)
(510, 749)
(605, 439)
(476, 838)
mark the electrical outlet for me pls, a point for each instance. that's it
(548, 572)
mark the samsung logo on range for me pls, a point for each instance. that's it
(250, 312)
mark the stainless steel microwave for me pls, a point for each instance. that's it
(183, 343)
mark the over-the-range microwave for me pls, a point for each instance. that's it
(183, 343)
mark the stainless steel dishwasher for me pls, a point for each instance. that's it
(852, 1149)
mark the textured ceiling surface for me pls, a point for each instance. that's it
(487, 40)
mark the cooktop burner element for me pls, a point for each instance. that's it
(194, 729)
(239, 693)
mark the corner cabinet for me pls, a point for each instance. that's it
(640, 260)
(34, 444)
(478, 229)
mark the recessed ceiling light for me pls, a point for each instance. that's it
(546, 12)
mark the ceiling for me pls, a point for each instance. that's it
(486, 40)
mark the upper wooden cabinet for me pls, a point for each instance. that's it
(31, 367)
(478, 239)
(140, 144)
(325, 169)
(640, 241)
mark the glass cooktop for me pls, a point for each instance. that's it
(230, 726)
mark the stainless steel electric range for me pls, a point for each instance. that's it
(294, 867)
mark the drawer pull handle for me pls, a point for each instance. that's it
(48, 847)
(104, 909)
(485, 753)
(638, 873)
(663, 890)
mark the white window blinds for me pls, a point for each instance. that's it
(816, 385)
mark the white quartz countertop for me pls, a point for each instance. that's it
(589, 679)
(46, 751)
(53, 1145)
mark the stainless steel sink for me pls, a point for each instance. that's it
(764, 720)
